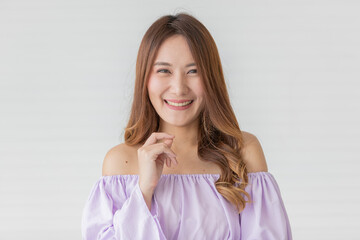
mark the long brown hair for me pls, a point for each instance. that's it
(220, 138)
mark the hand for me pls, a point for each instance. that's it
(151, 158)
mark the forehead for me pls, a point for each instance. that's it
(174, 48)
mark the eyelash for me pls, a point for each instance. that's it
(167, 70)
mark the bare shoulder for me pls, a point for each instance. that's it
(253, 154)
(120, 159)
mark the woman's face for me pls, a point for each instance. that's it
(174, 76)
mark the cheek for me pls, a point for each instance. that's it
(198, 89)
(153, 87)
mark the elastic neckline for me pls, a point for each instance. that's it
(192, 175)
(185, 175)
(170, 175)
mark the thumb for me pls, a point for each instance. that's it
(168, 142)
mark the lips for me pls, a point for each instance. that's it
(177, 101)
(179, 106)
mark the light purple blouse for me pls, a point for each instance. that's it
(184, 206)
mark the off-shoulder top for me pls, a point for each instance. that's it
(184, 206)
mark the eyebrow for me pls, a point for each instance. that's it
(168, 64)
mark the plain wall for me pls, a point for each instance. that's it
(67, 72)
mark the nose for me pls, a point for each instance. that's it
(179, 84)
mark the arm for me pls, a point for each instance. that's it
(266, 217)
(252, 154)
(121, 160)
(112, 213)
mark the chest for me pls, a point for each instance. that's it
(192, 166)
(188, 164)
(190, 208)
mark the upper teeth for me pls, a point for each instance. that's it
(178, 104)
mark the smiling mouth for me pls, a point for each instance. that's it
(179, 104)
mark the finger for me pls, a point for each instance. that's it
(166, 162)
(171, 161)
(160, 148)
(155, 136)
(175, 162)
(168, 142)
(161, 158)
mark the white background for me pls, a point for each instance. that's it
(67, 73)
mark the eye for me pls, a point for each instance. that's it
(193, 70)
(160, 70)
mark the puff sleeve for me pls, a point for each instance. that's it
(266, 217)
(110, 214)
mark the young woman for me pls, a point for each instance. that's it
(185, 171)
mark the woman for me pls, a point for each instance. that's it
(185, 171)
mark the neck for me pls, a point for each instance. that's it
(186, 137)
